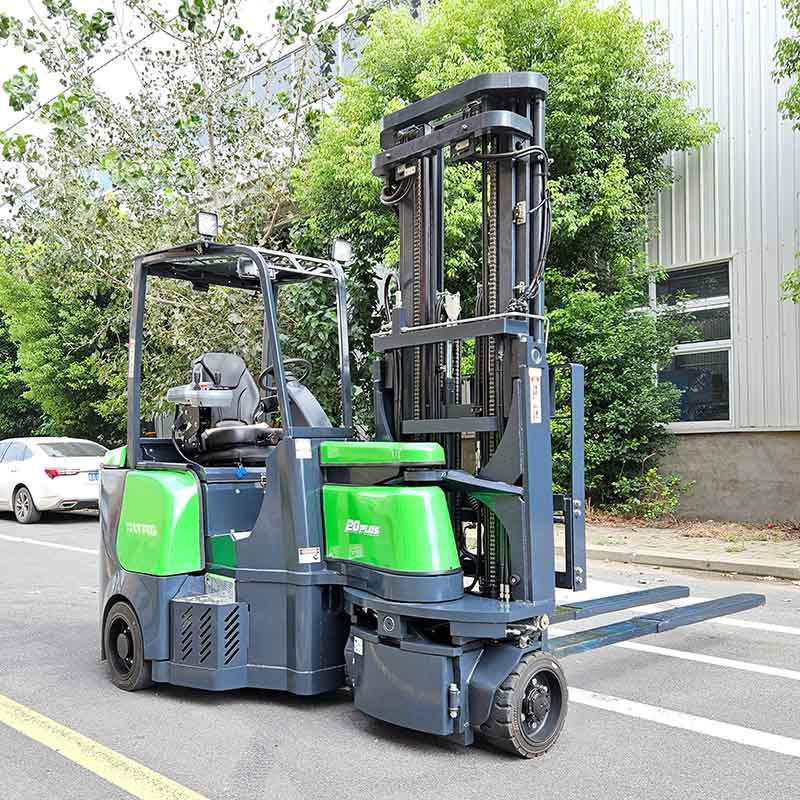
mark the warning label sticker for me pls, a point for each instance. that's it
(358, 645)
(302, 448)
(535, 388)
(308, 555)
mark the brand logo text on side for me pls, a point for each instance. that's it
(141, 529)
(357, 526)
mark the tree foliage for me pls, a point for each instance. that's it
(115, 177)
(18, 416)
(614, 111)
(787, 67)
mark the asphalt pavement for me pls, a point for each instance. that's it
(711, 711)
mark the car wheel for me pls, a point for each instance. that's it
(124, 646)
(24, 508)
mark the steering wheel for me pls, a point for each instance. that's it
(299, 375)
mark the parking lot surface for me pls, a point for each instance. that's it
(710, 711)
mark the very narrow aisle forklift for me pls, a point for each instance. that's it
(261, 545)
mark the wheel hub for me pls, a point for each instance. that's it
(536, 706)
(123, 646)
(120, 643)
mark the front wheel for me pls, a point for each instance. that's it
(529, 707)
(24, 508)
(124, 645)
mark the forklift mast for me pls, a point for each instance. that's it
(496, 121)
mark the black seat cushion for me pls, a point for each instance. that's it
(226, 435)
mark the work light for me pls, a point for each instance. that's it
(341, 251)
(207, 224)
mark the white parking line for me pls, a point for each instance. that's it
(663, 716)
(759, 626)
(688, 722)
(686, 655)
(56, 545)
(600, 588)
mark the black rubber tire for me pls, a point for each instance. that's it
(25, 509)
(129, 671)
(507, 728)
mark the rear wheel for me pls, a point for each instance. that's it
(529, 707)
(124, 646)
(24, 508)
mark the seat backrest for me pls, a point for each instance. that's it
(233, 373)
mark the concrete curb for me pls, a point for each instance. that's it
(664, 558)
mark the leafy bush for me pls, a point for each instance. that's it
(790, 288)
(625, 408)
(787, 66)
(18, 416)
(651, 495)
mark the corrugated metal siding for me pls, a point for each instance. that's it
(738, 197)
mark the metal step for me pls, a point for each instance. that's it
(581, 609)
(655, 622)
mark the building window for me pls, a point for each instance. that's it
(700, 368)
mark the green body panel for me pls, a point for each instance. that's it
(116, 457)
(398, 528)
(159, 524)
(358, 453)
(221, 551)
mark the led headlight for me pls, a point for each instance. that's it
(341, 251)
(207, 224)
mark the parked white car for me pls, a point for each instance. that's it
(48, 474)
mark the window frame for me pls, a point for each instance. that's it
(710, 346)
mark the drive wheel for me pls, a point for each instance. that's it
(24, 508)
(529, 707)
(124, 645)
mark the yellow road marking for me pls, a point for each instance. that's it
(113, 767)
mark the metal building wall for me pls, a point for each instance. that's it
(739, 197)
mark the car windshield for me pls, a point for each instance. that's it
(71, 449)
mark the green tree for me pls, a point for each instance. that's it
(787, 67)
(18, 416)
(114, 178)
(614, 111)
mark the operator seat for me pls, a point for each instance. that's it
(234, 437)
